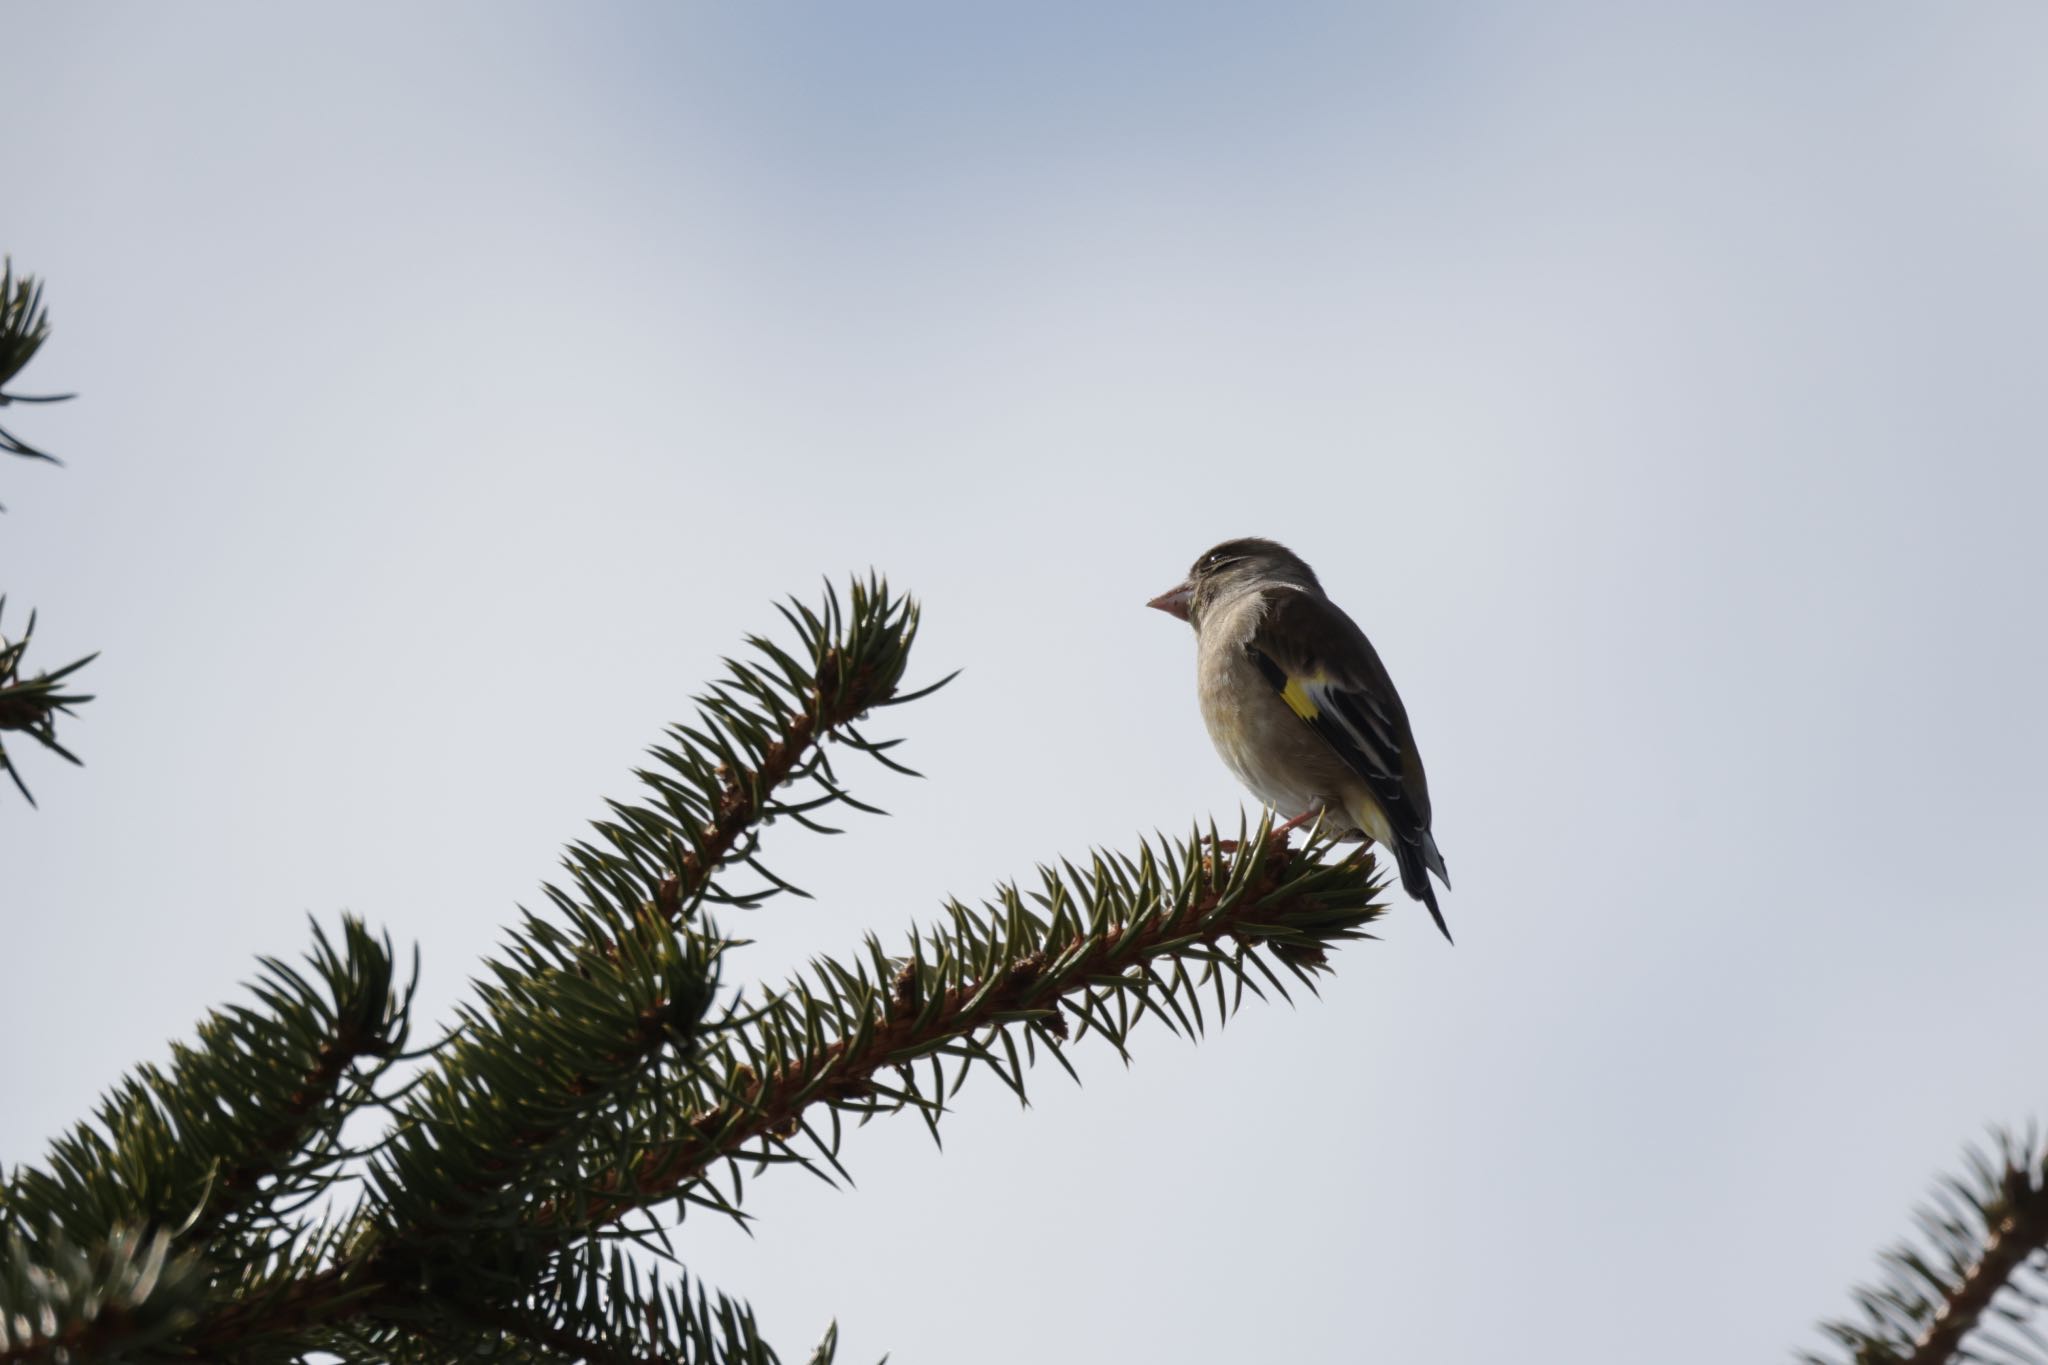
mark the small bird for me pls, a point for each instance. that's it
(1300, 706)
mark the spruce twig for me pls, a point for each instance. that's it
(184, 1184)
(24, 327)
(1970, 1290)
(28, 705)
(1106, 941)
(31, 705)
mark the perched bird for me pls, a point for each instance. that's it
(1301, 707)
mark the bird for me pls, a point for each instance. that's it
(1300, 707)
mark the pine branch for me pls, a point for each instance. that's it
(211, 1157)
(1113, 945)
(591, 1015)
(1969, 1293)
(245, 1120)
(28, 706)
(564, 1345)
(761, 729)
(579, 1018)
(601, 1309)
(297, 1139)
(558, 1041)
(31, 706)
(24, 327)
(62, 1305)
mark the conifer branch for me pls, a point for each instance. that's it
(28, 705)
(564, 1344)
(756, 753)
(1110, 946)
(1970, 1291)
(211, 1154)
(63, 1305)
(103, 1243)
(560, 1040)
(298, 1136)
(601, 1308)
(593, 1015)
(582, 1014)
(246, 1119)
(1114, 940)
(31, 705)
(24, 327)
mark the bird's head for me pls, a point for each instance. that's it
(1230, 567)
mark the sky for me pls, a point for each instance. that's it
(1658, 386)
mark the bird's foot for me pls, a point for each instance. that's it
(1282, 830)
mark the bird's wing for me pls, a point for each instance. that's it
(1328, 673)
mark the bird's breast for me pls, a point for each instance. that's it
(1260, 740)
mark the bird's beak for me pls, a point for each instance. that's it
(1174, 601)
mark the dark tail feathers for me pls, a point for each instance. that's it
(1415, 878)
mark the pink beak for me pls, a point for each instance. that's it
(1174, 601)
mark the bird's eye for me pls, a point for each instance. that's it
(1216, 559)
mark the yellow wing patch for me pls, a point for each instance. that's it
(1298, 700)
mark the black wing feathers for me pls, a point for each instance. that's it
(1358, 714)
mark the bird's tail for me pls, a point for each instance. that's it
(1416, 862)
(1434, 860)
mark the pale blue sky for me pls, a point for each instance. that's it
(1660, 387)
